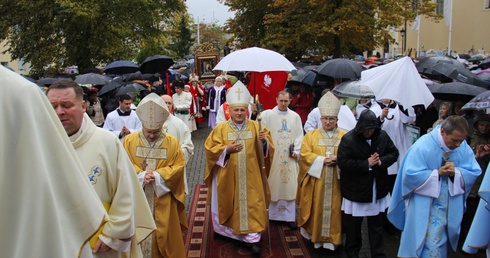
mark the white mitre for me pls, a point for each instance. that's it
(152, 111)
(329, 105)
(238, 95)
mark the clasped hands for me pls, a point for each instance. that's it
(149, 177)
(330, 161)
(374, 160)
(447, 169)
(125, 131)
(482, 150)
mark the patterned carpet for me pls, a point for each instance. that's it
(199, 240)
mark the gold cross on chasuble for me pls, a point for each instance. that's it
(241, 160)
(150, 155)
(328, 179)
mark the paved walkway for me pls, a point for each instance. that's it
(195, 175)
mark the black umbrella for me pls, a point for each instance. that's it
(341, 68)
(156, 64)
(455, 91)
(111, 86)
(460, 74)
(91, 78)
(485, 64)
(126, 88)
(46, 81)
(121, 67)
(138, 86)
(429, 62)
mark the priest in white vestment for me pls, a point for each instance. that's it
(177, 128)
(182, 103)
(110, 172)
(287, 133)
(48, 208)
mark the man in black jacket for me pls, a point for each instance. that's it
(364, 155)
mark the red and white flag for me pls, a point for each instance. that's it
(267, 85)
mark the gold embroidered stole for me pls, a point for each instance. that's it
(240, 136)
(151, 155)
(330, 143)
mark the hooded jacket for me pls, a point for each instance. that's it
(356, 177)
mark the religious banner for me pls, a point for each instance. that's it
(267, 85)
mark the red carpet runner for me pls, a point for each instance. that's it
(199, 240)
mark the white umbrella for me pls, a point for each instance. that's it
(254, 59)
(400, 81)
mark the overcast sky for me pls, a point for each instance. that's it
(208, 10)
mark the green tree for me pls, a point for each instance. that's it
(212, 33)
(81, 32)
(182, 40)
(332, 27)
(249, 22)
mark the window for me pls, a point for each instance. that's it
(440, 7)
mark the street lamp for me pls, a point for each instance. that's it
(403, 31)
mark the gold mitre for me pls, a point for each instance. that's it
(152, 111)
(329, 105)
(238, 95)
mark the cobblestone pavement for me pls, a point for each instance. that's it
(195, 175)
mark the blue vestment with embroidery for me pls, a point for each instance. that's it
(418, 215)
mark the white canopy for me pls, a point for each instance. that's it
(400, 81)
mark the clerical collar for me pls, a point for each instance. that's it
(442, 144)
(280, 112)
(127, 113)
(75, 136)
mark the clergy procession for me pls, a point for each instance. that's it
(371, 158)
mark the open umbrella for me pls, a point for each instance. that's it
(457, 73)
(484, 74)
(479, 102)
(254, 59)
(428, 62)
(455, 91)
(353, 89)
(121, 67)
(111, 86)
(400, 81)
(46, 81)
(156, 64)
(341, 68)
(127, 88)
(91, 78)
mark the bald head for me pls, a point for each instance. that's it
(170, 104)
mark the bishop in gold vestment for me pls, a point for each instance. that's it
(159, 154)
(233, 173)
(319, 195)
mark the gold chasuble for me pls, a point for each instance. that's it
(319, 199)
(167, 159)
(241, 198)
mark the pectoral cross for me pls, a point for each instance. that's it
(445, 157)
(329, 154)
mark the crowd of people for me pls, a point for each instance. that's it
(294, 163)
